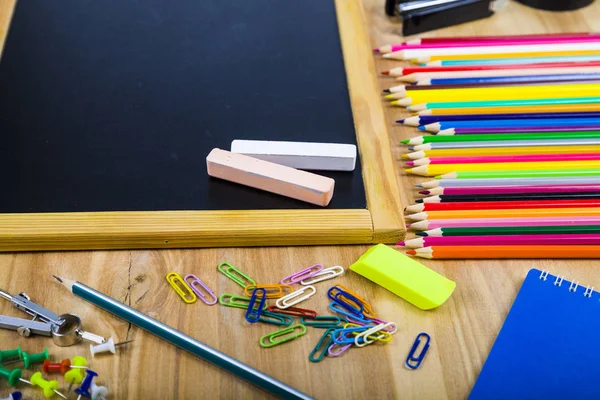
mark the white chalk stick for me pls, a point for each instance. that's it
(274, 178)
(301, 155)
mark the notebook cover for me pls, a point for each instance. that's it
(548, 346)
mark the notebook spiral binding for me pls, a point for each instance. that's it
(572, 285)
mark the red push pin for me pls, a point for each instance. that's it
(63, 367)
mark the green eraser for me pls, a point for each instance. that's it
(405, 277)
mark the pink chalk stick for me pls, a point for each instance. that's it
(271, 177)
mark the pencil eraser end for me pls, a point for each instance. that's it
(405, 277)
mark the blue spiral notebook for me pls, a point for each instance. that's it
(549, 345)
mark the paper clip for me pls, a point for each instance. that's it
(293, 311)
(273, 291)
(368, 335)
(282, 332)
(296, 297)
(367, 309)
(177, 283)
(324, 344)
(336, 307)
(323, 275)
(337, 353)
(194, 286)
(253, 313)
(392, 328)
(276, 319)
(340, 335)
(326, 321)
(413, 362)
(300, 275)
(344, 299)
(235, 274)
(233, 300)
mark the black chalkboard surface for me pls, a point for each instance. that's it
(113, 105)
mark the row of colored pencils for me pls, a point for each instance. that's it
(511, 135)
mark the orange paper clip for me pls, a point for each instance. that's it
(367, 309)
(273, 291)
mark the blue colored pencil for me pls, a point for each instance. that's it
(430, 119)
(511, 61)
(509, 79)
(438, 126)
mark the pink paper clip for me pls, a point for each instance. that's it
(301, 275)
(197, 282)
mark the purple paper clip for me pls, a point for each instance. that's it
(301, 275)
(197, 281)
(342, 350)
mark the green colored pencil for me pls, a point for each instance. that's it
(511, 230)
(503, 136)
(520, 174)
(501, 103)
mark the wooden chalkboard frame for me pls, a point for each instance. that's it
(381, 222)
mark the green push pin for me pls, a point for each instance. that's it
(29, 359)
(13, 375)
(6, 354)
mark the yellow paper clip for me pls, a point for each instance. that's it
(177, 283)
(273, 291)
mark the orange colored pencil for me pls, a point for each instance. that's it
(491, 252)
(514, 213)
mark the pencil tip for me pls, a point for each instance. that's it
(410, 163)
(405, 141)
(411, 252)
(419, 201)
(376, 50)
(385, 72)
(401, 244)
(425, 192)
(423, 234)
(57, 278)
(422, 128)
(387, 91)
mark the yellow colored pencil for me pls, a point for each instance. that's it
(507, 55)
(491, 151)
(555, 108)
(441, 169)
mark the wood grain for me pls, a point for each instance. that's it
(463, 329)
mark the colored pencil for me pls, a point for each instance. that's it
(496, 103)
(504, 240)
(524, 79)
(426, 120)
(427, 59)
(400, 71)
(504, 137)
(510, 213)
(489, 43)
(511, 61)
(563, 166)
(509, 197)
(548, 108)
(521, 174)
(506, 143)
(507, 221)
(490, 151)
(495, 252)
(501, 205)
(495, 182)
(485, 190)
(421, 53)
(405, 89)
(550, 122)
(504, 159)
(462, 39)
(415, 78)
(511, 230)
(516, 129)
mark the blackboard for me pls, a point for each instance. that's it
(113, 105)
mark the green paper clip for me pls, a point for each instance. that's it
(327, 321)
(235, 274)
(324, 343)
(405, 277)
(282, 332)
(276, 319)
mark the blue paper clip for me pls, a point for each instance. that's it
(335, 307)
(340, 293)
(252, 314)
(339, 335)
(413, 362)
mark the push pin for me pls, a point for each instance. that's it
(105, 347)
(63, 367)
(84, 389)
(9, 354)
(49, 387)
(13, 396)
(98, 392)
(28, 359)
(75, 376)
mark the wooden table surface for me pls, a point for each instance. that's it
(463, 329)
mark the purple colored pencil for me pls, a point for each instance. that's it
(528, 129)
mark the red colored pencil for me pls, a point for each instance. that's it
(481, 190)
(548, 36)
(500, 205)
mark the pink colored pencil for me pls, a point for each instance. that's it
(510, 158)
(488, 222)
(398, 47)
(461, 39)
(449, 191)
(504, 240)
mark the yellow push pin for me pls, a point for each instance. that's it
(75, 375)
(49, 387)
